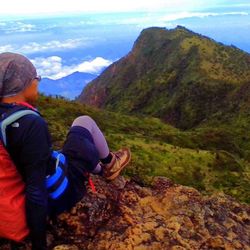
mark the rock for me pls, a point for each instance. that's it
(166, 216)
(66, 247)
(124, 215)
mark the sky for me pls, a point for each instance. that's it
(65, 36)
(31, 7)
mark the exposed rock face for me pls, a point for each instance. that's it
(123, 215)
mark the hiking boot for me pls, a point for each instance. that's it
(120, 159)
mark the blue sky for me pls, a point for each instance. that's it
(62, 37)
(31, 7)
(88, 43)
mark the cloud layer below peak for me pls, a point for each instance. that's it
(53, 68)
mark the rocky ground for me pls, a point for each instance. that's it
(123, 215)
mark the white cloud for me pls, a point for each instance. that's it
(18, 26)
(182, 15)
(48, 67)
(55, 45)
(94, 66)
(6, 48)
(52, 67)
(24, 27)
(51, 45)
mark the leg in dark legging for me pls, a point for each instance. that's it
(113, 163)
(98, 137)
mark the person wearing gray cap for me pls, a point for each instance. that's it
(18, 86)
(29, 145)
(17, 75)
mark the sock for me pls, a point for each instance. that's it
(108, 159)
(97, 170)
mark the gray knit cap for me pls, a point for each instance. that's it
(16, 73)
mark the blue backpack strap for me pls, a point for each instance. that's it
(9, 118)
(58, 182)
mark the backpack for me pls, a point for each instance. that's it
(13, 224)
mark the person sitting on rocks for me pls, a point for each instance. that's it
(29, 145)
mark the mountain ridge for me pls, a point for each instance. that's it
(177, 75)
(69, 86)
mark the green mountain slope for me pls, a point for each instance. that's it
(177, 75)
(157, 148)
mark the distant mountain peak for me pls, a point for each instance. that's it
(176, 74)
(69, 86)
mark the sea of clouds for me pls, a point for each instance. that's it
(52, 67)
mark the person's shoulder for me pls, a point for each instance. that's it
(33, 119)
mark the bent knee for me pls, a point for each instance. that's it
(83, 121)
(84, 118)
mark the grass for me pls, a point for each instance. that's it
(157, 149)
